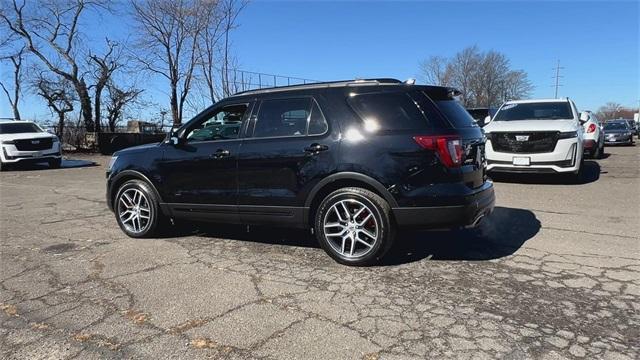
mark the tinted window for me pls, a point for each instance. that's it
(391, 111)
(286, 117)
(455, 113)
(616, 126)
(18, 128)
(317, 123)
(535, 111)
(221, 125)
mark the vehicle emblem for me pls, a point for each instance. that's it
(35, 142)
(522, 137)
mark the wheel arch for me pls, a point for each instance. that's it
(342, 180)
(127, 175)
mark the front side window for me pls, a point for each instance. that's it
(535, 111)
(283, 117)
(223, 124)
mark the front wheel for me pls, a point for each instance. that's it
(354, 226)
(136, 208)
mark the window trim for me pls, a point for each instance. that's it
(214, 110)
(250, 135)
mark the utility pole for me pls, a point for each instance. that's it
(557, 77)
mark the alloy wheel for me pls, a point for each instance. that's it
(134, 210)
(351, 228)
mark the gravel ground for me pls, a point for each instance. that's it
(553, 273)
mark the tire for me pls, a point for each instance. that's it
(369, 214)
(3, 166)
(577, 176)
(136, 199)
(55, 163)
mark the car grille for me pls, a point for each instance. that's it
(33, 144)
(537, 142)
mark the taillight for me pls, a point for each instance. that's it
(591, 128)
(448, 147)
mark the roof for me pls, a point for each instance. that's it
(5, 121)
(320, 85)
(536, 101)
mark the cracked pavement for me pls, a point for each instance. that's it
(553, 273)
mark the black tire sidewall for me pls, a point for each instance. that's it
(382, 217)
(153, 205)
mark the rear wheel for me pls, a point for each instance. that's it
(55, 163)
(354, 226)
(137, 210)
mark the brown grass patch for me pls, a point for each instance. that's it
(186, 326)
(137, 317)
(203, 343)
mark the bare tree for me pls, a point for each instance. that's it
(168, 33)
(484, 78)
(434, 70)
(105, 66)
(610, 110)
(59, 95)
(117, 100)
(231, 9)
(16, 60)
(50, 30)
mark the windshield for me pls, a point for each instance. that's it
(535, 111)
(18, 128)
(615, 126)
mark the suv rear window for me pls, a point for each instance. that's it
(391, 110)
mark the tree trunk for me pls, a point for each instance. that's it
(60, 131)
(96, 104)
(85, 105)
(175, 111)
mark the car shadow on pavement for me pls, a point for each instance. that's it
(591, 173)
(66, 164)
(499, 235)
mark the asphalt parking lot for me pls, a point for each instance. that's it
(553, 273)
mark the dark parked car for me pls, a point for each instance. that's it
(352, 160)
(618, 132)
(633, 126)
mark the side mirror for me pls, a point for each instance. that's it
(487, 119)
(173, 137)
(584, 117)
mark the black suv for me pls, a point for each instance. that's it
(352, 160)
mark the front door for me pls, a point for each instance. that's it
(201, 171)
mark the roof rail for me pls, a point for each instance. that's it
(327, 84)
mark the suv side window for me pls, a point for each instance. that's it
(283, 117)
(389, 110)
(223, 124)
(317, 123)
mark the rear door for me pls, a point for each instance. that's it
(288, 141)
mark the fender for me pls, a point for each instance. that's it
(352, 176)
(132, 174)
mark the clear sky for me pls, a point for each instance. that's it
(597, 43)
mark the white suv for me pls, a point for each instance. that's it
(25, 141)
(544, 136)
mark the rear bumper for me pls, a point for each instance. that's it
(470, 213)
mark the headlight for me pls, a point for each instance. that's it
(111, 162)
(8, 142)
(568, 135)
